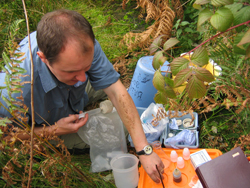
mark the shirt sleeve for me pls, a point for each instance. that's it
(102, 73)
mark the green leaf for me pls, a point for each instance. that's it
(201, 2)
(16, 80)
(195, 88)
(196, 6)
(158, 60)
(4, 121)
(160, 98)
(17, 86)
(241, 16)
(19, 70)
(169, 82)
(200, 57)
(178, 64)
(155, 45)
(170, 92)
(204, 16)
(6, 60)
(245, 39)
(182, 77)
(218, 3)
(188, 30)
(234, 7)
(222, 19)
(7, 101)
(170, 43)
(203, 74)
(158, 80)
(15, 91)
(239, 49)
(184, 23)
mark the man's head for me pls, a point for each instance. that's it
(56, 28)
(66, 43)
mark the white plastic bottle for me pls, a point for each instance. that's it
(106, 106)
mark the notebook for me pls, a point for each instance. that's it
(230, 170)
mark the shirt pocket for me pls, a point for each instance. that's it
(51, 108)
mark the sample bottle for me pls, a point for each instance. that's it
(186, 154)
(177, 175)
(173, 156)
(159, 151)
(180, 163)
(106, 106)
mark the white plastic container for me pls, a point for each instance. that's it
(106, 106)
(125, 170)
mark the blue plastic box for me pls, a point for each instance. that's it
(164, 135)
(181, 127)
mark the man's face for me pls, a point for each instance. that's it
(72, 63)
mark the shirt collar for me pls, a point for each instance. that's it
(48, 80)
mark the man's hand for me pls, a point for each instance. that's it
(70, 124)
(149, 163)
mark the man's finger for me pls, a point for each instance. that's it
(162, 171)
(156, 178)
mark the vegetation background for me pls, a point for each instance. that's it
(116, 23)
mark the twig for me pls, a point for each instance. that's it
(32, 97)
(160, 176)
(183, 4)
(244, 23)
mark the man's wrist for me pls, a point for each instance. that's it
(147, 150)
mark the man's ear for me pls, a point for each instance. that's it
(42, 57)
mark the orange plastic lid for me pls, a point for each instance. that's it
(188, 172)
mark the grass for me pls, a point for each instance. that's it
(222, 128)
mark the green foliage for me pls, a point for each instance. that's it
(186, 31)
(222, 96)
(190, 69)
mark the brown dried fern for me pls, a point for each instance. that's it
(178, 9)
(243, 142)
(163, 16)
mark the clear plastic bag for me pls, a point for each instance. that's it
(105, 135)
(185, 137)
(154, 121)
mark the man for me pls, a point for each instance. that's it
(66, 55)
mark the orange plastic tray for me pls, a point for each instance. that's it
(187, 172)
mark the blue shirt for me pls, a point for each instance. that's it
(53, 99)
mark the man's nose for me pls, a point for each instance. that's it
(81, 76)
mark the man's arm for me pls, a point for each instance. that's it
(130, 117)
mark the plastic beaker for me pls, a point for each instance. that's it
(125, 170)
(159, 151)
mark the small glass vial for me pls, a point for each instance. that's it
(177, 175)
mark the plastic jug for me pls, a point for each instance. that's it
(125, 170)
